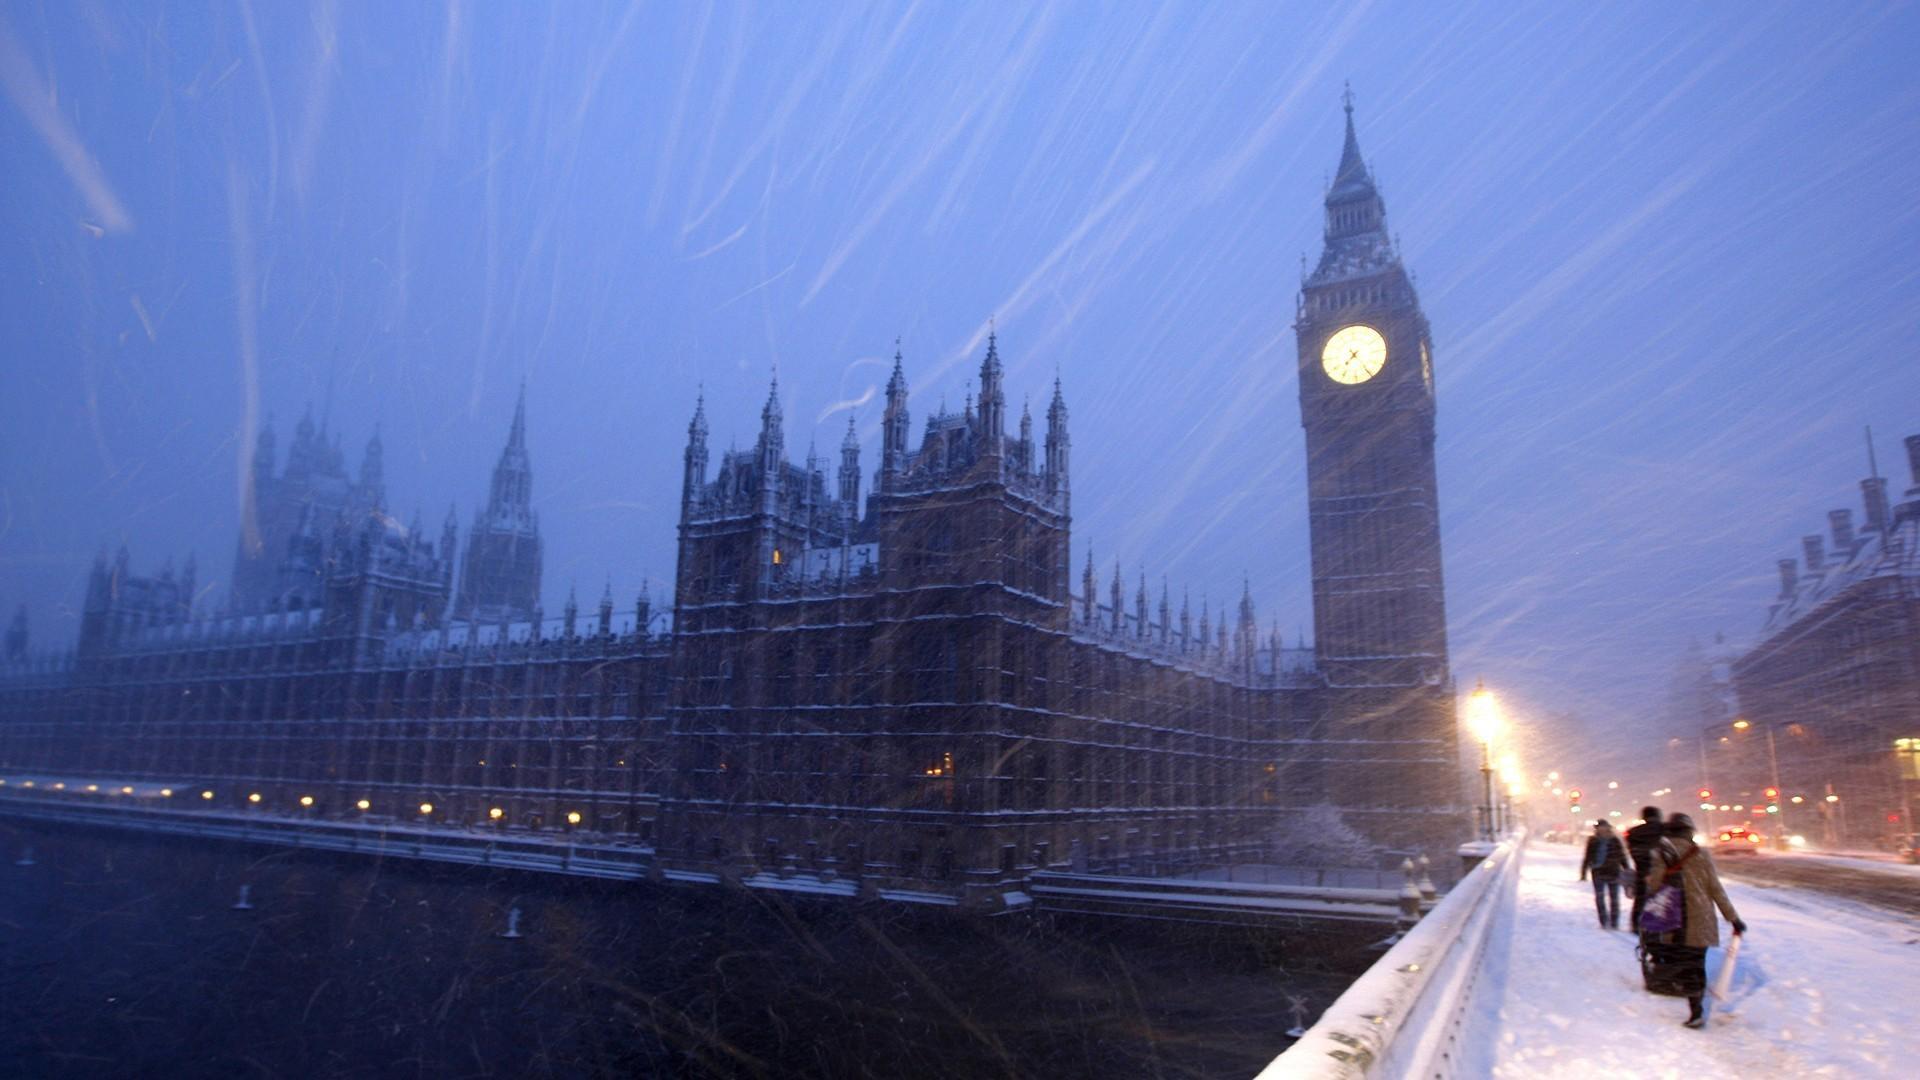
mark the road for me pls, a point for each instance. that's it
(1892, 888)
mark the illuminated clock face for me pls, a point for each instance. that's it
(1354, 355)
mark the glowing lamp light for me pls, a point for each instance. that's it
(1796, 800)
(1554, 775)
(426, 809)
(126, 791)
(1556, 791)
(166, 793)
(496, 813)
(93, 787)
(363, 805)
(58, 785)
(1773, 808)
(1833, 798)
(1797, 840)
(1741, 725)
(206, 794)
(1724, 806)
(1613, 813)
(253, 796)
(1574, 794)
(1772, 793)
(1613, 785)
(1483, 715)
(573, 817)
(26, 783)
(1753, 838)
(306, 800)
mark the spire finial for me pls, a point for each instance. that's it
(1346, 99)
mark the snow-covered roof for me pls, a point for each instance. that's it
(1881, 559)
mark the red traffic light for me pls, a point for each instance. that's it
(1773, 793)
(1706, 793)
(1573, 796)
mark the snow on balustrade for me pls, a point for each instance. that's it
(1266, 663)
(515, 636)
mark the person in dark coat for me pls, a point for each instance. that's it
(1605, 860)
(1684, 951)
(1641, 840)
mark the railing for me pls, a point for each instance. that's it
(1405, 1016)
(616, 862)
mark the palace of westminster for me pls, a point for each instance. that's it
(904, 683)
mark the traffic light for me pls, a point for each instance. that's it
(1706, 793)
(1574, 795)
(1773, 793)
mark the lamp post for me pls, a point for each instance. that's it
(1483, 718)
(1775, 801)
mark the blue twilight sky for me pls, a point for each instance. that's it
(1668, 251)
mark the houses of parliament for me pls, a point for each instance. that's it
(893, 673)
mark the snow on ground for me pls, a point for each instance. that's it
(1865, 861)
(1821, 989)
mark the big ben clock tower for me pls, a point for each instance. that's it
(1379, 611)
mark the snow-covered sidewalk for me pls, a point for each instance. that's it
(1821, 989)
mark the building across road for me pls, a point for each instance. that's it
(1830, 694)
(899, 687)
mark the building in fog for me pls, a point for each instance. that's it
(1835, 674)
(899, 686)
(500, 580)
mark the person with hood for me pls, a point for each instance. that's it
(1606, 860)
(1680, 956)
(1641, 840)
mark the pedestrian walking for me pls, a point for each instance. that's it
(1641, 840)
(1605, 860)
(1679, 922)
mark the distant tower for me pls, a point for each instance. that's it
(1379, 612)
(893, 427)
(695, 473)
(993, 398)
(500, 578)
(373, 473)
(17, 635)
(850, 471)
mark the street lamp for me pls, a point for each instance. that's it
(1483, 719)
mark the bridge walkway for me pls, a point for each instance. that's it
(1821, 988)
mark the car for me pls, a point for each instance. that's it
(1738, 839)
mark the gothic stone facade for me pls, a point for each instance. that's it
(902, 689)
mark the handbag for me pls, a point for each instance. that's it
(1666, 906)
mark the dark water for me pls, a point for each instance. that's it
(121, 957)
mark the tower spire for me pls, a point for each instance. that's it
(517, 435)
(1353, 168)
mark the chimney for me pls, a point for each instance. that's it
(1874, 492)
(1840, 523)
(1810, 545)
(1789, 578)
